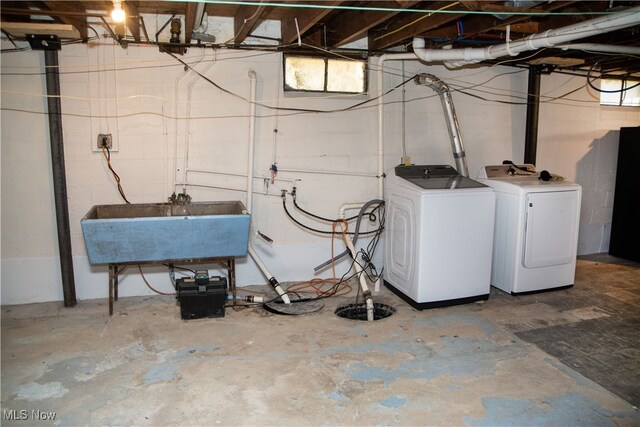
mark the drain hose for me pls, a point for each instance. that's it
(360, 273)
(355, 234)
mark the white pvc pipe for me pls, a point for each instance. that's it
(265, 270)
(198, 15)
(379, 78)
(320, 172)
(606, 48)
(252, 137)
(252, 142)
(359, 271)
(176, 89)
(241, 175)
(187, 128)
(347, 206)
(549, 38)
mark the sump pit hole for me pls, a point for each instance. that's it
(359, 311)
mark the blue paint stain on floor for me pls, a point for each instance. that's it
(164, 372)
(456, 356)
(336, 395)
(393, 402)
(34, 391)
(443, 320)
(569, 409)
(450, 356)
(168, 370)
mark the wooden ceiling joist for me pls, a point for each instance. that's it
(306, 18)
(189, 21)
(349, 26)
(131, 9)
(412, 24)
(246, 20)
(78, 22)
(483, 24)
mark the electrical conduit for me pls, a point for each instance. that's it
(252, 142)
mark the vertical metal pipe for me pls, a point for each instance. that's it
(533, 108)
(450, 117)
(59, 179)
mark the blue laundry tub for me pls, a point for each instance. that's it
(158, 232)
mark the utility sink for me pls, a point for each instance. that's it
(159, 232)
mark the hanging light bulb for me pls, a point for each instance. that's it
(117, 14)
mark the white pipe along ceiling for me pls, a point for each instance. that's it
(596, 47)
(549, 38)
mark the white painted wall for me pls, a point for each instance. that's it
(159, 114)
(579, 140)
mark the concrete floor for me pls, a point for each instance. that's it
(462, 365)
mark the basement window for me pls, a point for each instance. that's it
(624, 93)
(318, 74)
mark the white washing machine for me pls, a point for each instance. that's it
(438, 236)
(536, 230)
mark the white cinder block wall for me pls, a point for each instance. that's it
(579, 140)
(164, 120)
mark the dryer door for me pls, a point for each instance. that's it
(551, 228)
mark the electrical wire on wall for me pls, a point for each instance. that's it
(279, 111)
(591, 79)
(146, 282)
(107, 155)
(371, 215)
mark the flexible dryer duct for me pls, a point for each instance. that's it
(450, 116)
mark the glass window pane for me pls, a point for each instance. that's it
(613, 97)
(628, 98)
(303, 73)
(345, 76)
(631, 97)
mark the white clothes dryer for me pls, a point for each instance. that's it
(438, 236)
(536, 229)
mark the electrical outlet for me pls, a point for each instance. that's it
(104, 139)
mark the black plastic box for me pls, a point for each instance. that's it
(202, 296)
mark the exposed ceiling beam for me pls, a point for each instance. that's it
(306, 18)
(524, 27)
(189, 20)
(350, 25)
(471, 5)
(131, 9)
(246, 20)
(78, 22)
(412, 24)
(21, 29)
(484, 24)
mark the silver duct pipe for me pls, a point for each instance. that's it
(450, 117)
(550, 38)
